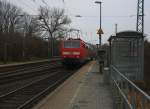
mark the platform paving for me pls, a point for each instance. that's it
(84, 90)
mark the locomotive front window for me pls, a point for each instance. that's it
(71, 44)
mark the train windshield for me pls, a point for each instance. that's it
(71, 44)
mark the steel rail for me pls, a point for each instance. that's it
(16, 77)
(2, 96)
(27, 103)
(10, 67)
(29, 86)
(23, 79)
(20, 70)
(25, 70)
(11, 75)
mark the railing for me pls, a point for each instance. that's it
(126, 94)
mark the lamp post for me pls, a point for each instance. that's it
(100, 52)
(100, 28)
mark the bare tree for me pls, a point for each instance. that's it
(52, 21)
(8, 17)
(19, 32)
(29, 28)
(30, 25)
(8, 21)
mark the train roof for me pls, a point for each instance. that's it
(74, 39)
(86, 43)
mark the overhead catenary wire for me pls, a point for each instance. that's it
(103, 16)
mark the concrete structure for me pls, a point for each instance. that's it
(84, 90)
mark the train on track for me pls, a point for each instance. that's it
(75, 52)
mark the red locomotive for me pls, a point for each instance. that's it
(74, 52)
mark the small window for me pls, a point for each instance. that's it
(72, 44)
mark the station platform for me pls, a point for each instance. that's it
(83, 90)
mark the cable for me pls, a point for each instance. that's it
(102, 16)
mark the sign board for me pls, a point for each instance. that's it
(100, 31)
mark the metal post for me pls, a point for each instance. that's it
(116, 28)
(23, 46)
(100, 25)
(101, 66)
(99, 2)
(140, 16)
(140, 28)
(48, 47)
(5, 52)
(100, 29)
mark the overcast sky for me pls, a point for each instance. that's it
(122, 12)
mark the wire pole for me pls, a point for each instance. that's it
(140, 16)
(100, 25)
(101, 63)
(116, 28)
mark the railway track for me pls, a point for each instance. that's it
(26, 96)
(20, 80)
(14, 67)
(20, 72)
(21, 88)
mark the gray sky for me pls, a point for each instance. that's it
(122, 12)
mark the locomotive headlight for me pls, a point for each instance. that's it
(76, 53)
(66, 53)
